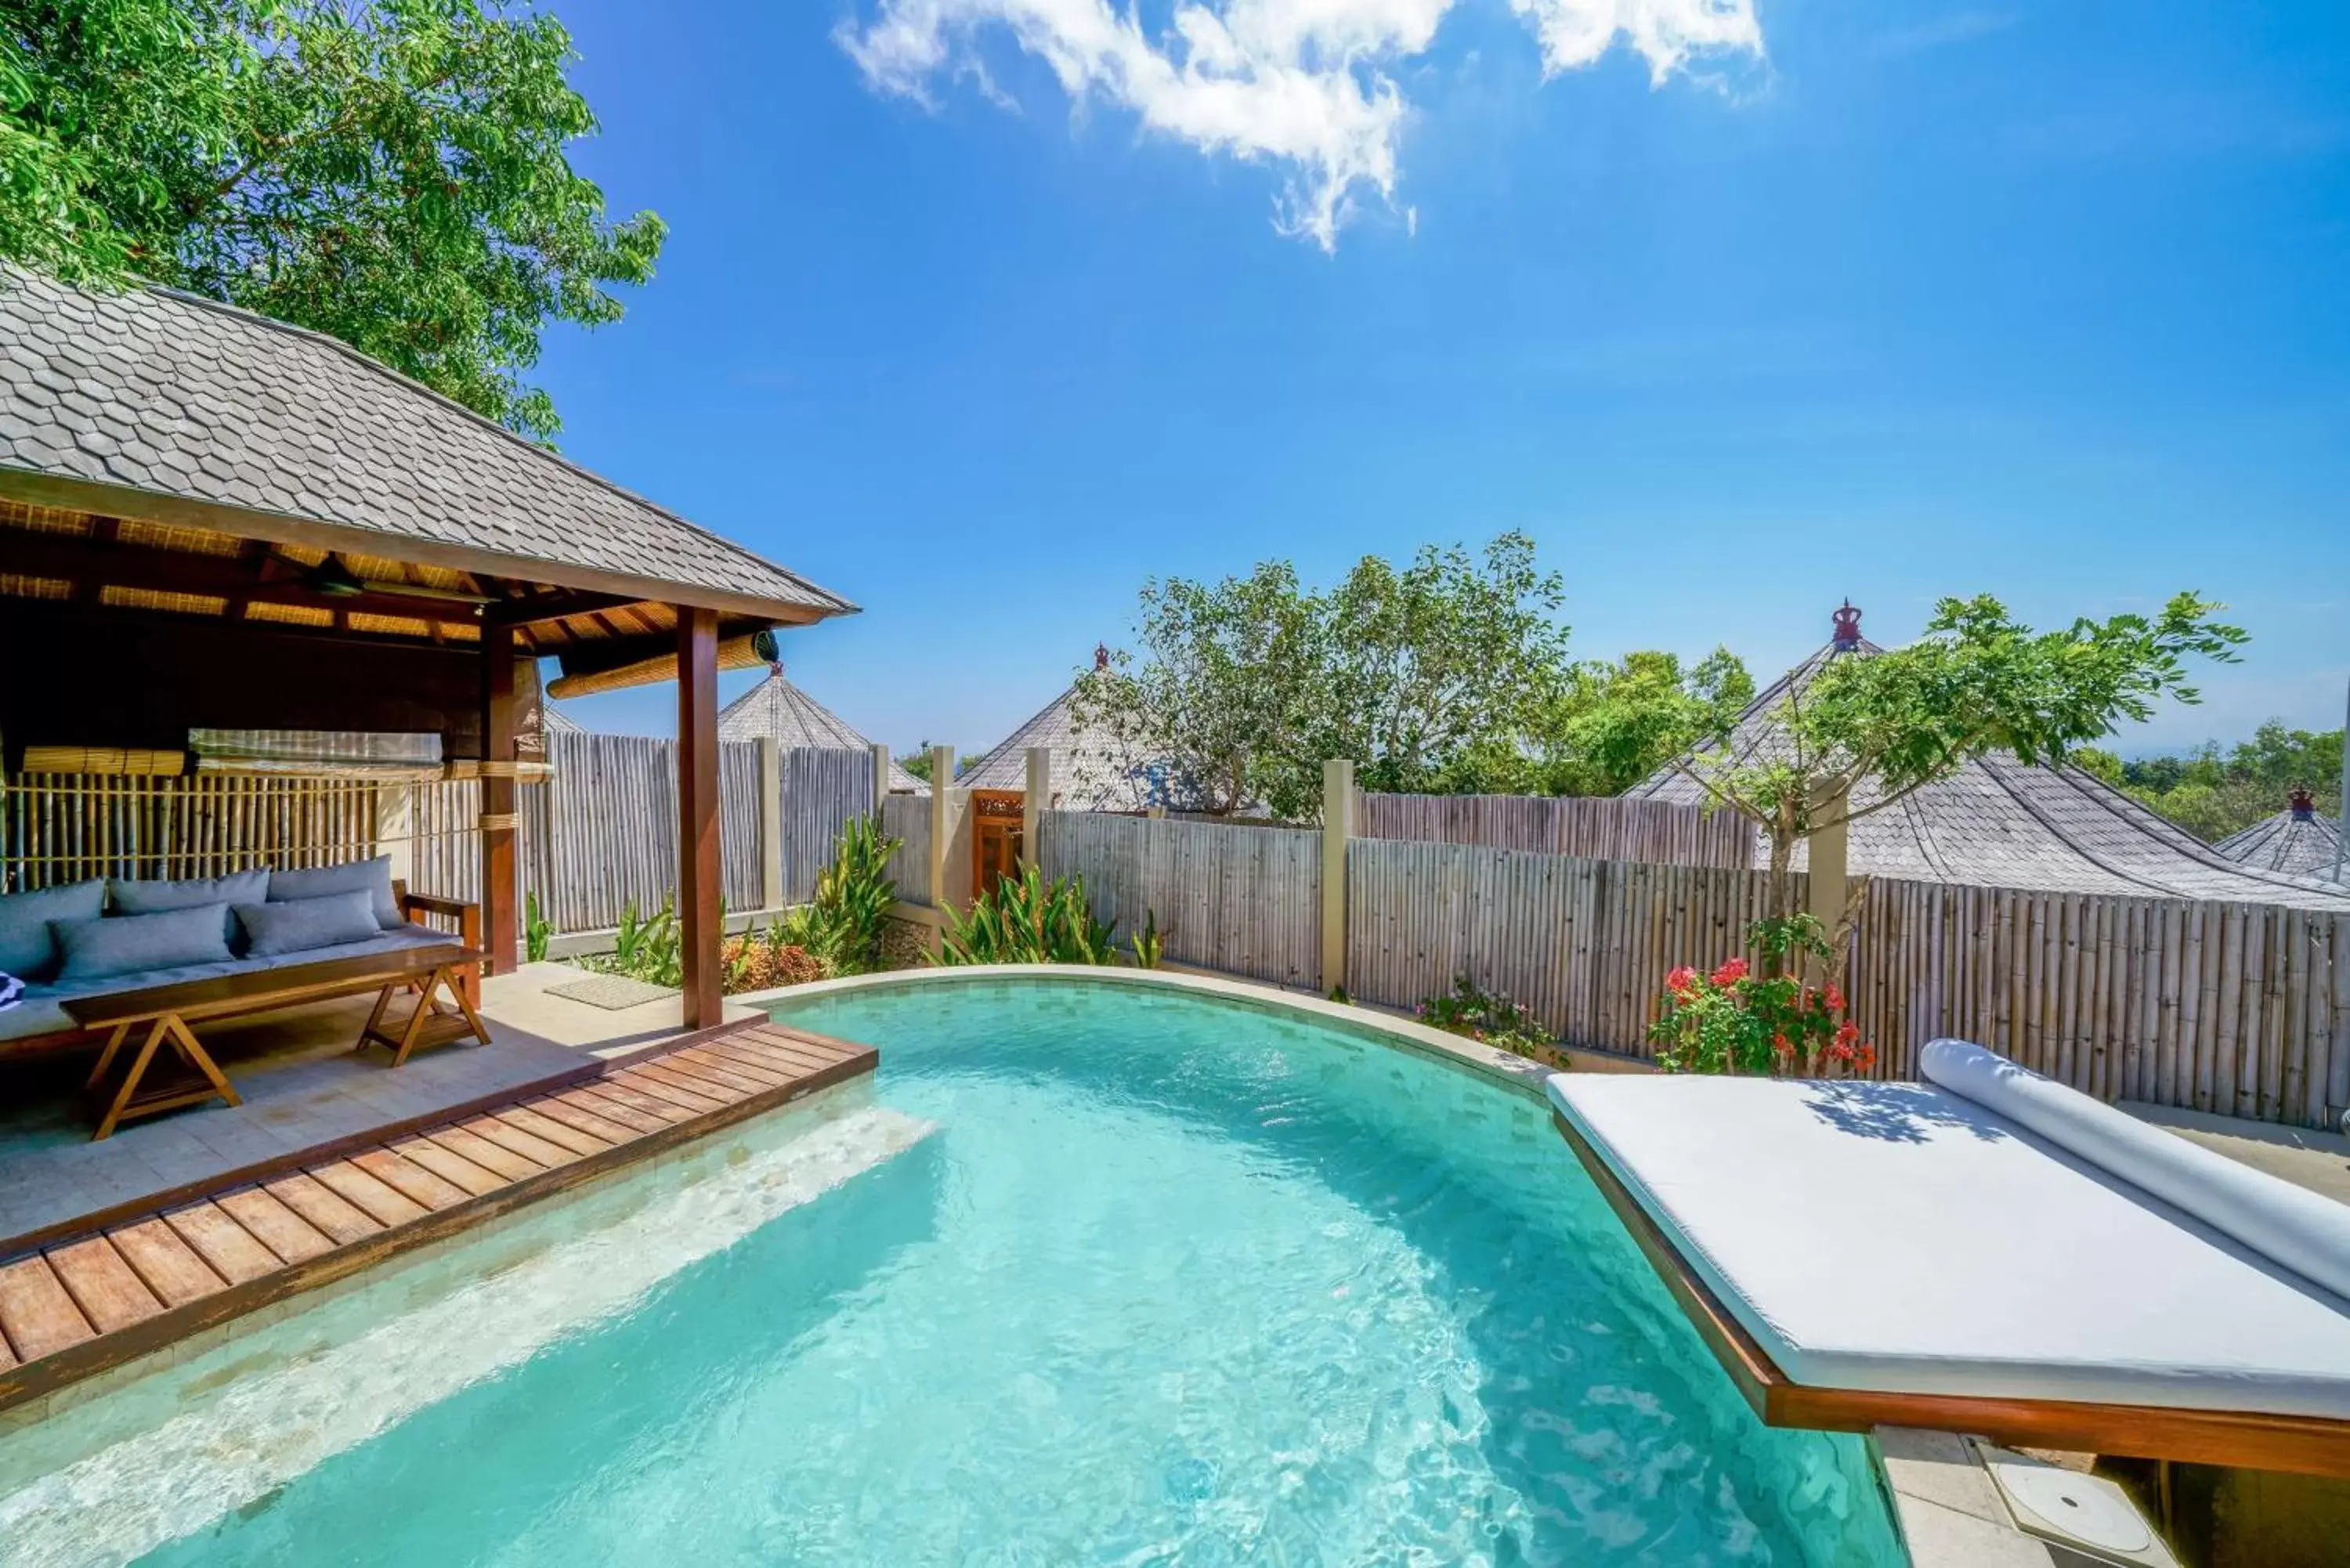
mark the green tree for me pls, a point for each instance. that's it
(2213, 794)
(1243, 687)
(1612, 725)
(917, 762)
(392, 172)
(1870, 731)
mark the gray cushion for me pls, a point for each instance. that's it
(28, 949)
(372, 878)
(297, 925)
(130, 944)
(153, 898)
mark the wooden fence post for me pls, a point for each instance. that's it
(1035, 803)
(880, 777)
(1337, 826)
(1829, 865)
(773, 881)
(942, 767)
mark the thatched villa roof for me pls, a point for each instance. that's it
(775, 707)
(1998, 823)
(2299, 841)
(162, 452)
(1092, 770)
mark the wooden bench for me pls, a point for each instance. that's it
(167, 1011)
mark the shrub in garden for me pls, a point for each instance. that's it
(1468, 1009)
(1736, 1019)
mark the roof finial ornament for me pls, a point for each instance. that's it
(1847, 628)
(1101, 656)
(2303, 804)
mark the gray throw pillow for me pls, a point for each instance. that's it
(28, 949)
(372, 878)
(297, 925)
(119, 945)
(153, 898)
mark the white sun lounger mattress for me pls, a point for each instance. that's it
(1897, 1237)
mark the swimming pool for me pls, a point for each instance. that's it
(1100, 1274)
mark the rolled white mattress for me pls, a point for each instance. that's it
(2291, 1226)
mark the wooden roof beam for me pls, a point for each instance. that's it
(94, 567)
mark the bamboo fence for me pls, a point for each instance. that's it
(823, 789)
(1594, 827)
(70, 827)
(906, 818)
(1244, 901)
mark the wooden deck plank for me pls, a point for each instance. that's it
(380, 1202)
(491, 1157)
(233, 1252)
(782, 1049)
(605, 1109)
(410, 1179)
(637, 1099)
(275, 1226)
(765, 1068)
(164, 1263)
(109, 1292)
(839, 1050)
(447, 1165)
(332, 1216)
(581, 1119)
(107, 1296)
(731, 1085)
(527, 1144)
(667, 1089)
(35, 1314)
(552, 1131)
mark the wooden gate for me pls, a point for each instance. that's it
(995, 839)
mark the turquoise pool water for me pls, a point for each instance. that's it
(1100, 1275)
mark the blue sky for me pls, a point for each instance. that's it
(1759, 309)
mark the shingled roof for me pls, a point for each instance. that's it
(155, 404)
(2299, 841)
(1091, 771)
(775, 707)
(1999, 823)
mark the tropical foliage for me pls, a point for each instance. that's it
(650, 949)
(1738, 1019)
(2212, 794)
(1468, 1009)
(1610, 725)
(537, 931)
(392, 172)
(1026, 919)
(917, 762)
(844, 927)
(1978, 682)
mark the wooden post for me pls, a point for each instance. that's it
(880, 777)
(1829, 865)
(500, 940)
(1035, 803)
(772, 888)
(697, 813)
(941, 821)
(1337, 826)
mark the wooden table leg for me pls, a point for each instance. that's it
(106, 1058)
(382, 1001)
(195, 1055)
(466, 1001)
(416, 1019)
(155, 1034)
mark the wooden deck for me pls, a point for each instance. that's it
(128, 1286)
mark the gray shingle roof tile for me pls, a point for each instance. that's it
(227, 408)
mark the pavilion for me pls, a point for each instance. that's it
(1093, 768)
(2299, 841)
(776, 708)
(213, 521)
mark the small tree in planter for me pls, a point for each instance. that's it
(1767, 1022)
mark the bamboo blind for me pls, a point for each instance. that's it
(69, 827)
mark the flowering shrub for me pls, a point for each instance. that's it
(1733, 1020)
(1468, 1009)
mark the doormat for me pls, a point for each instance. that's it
(614, 993)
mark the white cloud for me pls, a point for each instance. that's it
(1301, 85)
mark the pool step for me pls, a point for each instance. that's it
(87, 1303)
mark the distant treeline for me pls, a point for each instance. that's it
(2212, 792)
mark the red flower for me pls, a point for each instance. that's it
(1681, 982)
(1867, 1060)
(1847, 1032)
(1780, 1043)
(1835, 1000)
(1729, 973)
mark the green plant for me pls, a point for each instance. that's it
(1149, 947)
(1735, 1020)
(646, 949)
(853, 895)
(536, 930)
(1469, 1009)
(1027, 919)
